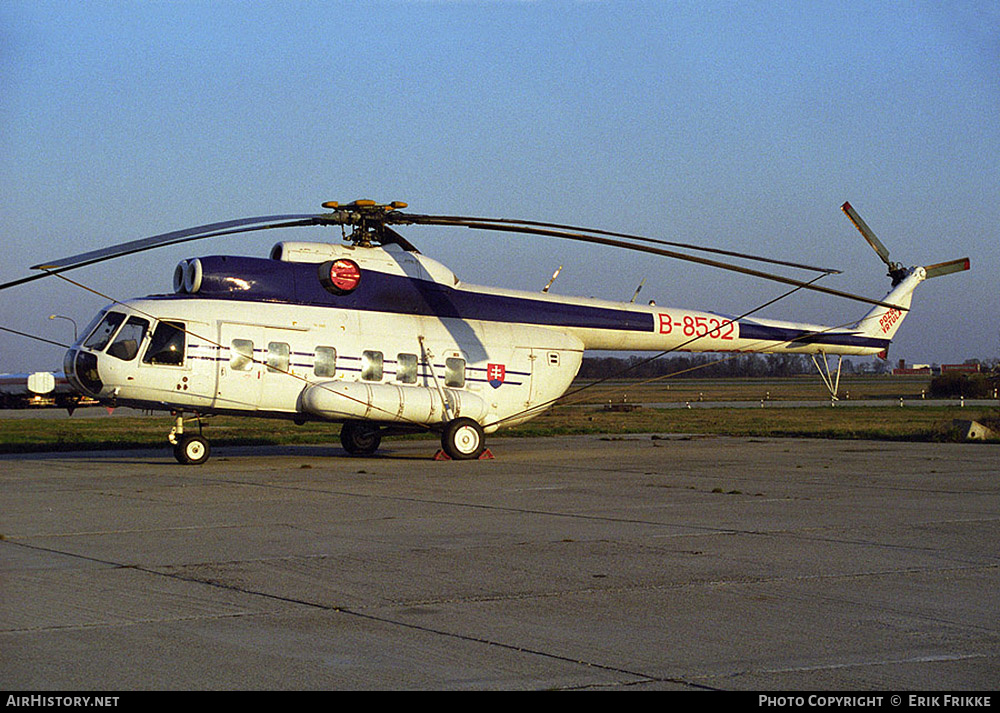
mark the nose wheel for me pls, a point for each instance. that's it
(189, 448)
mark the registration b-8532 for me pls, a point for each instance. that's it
(697, 326)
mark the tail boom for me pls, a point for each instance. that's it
(686, 330)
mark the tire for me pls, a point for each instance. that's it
(463, 439)
(192, 450)
(360, 438)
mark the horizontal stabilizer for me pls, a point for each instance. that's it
(946, 268)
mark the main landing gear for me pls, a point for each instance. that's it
(461, 438)
(360, 438)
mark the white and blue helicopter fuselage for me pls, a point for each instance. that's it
(379, 337)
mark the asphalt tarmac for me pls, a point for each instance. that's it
(645, 562)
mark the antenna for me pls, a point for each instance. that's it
(638, 290)
(552, 279)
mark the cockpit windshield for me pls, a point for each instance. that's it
(126, 344)
(100, 337)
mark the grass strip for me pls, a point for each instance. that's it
(934, 424)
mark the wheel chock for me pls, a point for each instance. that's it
(487, 454)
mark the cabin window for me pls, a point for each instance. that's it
(454, 372)
(371, 366)
(326, 361)
(277, 357)
(126, 344)
(241, 355)
(105, 330)
(166, 347)
(406, 370)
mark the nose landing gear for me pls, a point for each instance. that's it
(189, 448)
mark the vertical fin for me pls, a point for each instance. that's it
(883, 322)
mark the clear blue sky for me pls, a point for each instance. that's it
(742, 125)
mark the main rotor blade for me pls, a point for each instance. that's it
(867, 232)
(176, 236)
(212, 230)
(486, 224)
(460, 220)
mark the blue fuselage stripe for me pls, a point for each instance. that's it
(259, 279)
(760, 332)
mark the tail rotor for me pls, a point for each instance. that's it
(896, 269)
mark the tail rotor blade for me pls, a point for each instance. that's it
(946, 268)
(867, 232)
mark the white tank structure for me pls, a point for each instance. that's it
(390, 403)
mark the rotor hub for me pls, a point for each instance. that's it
(367, 217)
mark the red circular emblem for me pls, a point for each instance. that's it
(340, 276)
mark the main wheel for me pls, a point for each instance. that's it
(191, 450)
(360, 438)
(463, 439)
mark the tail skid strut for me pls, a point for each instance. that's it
(831, 381)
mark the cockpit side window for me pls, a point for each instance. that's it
(167, 345)
(105, 330)
(126, 344)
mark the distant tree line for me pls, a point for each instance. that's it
(713, 366)
(971, 386)
(701, 366)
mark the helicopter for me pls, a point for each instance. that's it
(374, 335)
